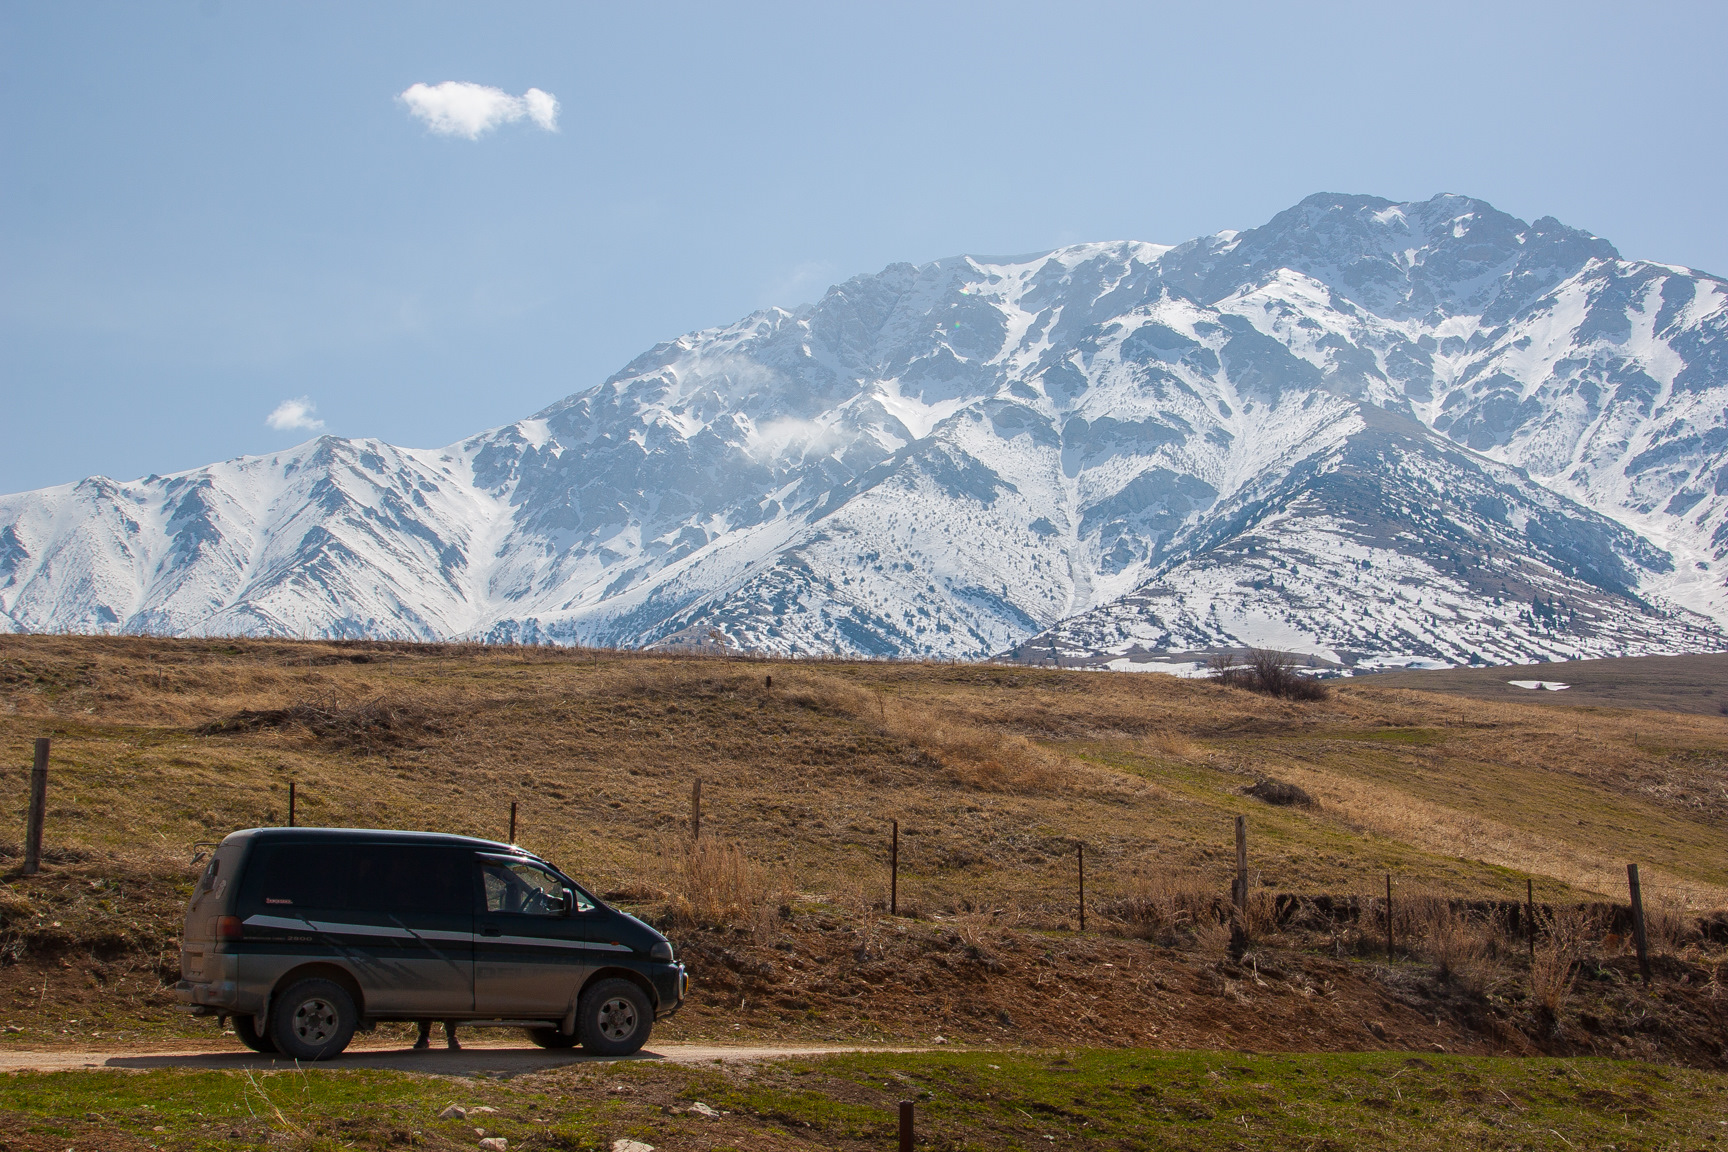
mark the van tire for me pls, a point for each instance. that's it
(312, 1020)
(246, 1028)
(613, 1018)
(552, 1038)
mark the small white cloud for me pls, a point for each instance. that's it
(295, 415)
(542, 108)
(458, 108)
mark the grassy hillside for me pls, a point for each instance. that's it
(994, 773)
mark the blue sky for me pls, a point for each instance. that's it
(210, 209)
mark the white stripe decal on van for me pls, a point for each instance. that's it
(552, 942)
(380, 930)
(340, 929)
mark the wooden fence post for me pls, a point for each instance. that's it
(1388, 917)
(1081, 856)
(1239, 893)
(905, 1126)
(291, 798)
(1530, 915)
(1638, 936)
(512, 822)
(894, 869)
(38, 808)
(696, 810)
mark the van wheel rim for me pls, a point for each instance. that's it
(617, 1018)
(315, 1021)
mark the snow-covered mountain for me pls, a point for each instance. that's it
(1370, 431)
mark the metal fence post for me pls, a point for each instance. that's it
(1081, 855)
(38, 808)
(894, 869)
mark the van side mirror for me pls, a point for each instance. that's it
(568, 899)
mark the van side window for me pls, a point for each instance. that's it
(299, 876)
(525, 889)
(411, 880)
(374, 878)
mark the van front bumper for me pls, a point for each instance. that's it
(671, 982)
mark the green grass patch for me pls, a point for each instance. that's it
(1105, 1099)
(316, 1108)
(1117, 1099)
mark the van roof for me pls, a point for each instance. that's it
(373, 836)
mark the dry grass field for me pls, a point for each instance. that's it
(1664, 683)
(995, 774)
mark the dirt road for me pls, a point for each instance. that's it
(472, 1060)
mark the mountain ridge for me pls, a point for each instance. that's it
(953, 459)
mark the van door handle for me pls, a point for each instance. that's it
(491, 932)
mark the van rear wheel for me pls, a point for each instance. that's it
(312, 1020)
(613, 1018)
(246, 1027)
(551, 1038)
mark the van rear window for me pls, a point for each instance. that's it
(360, 878)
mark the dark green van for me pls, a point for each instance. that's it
(304, 935)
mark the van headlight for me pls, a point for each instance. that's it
(661, 952)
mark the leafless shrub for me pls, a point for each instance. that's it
(1562, 934)
(1167, 906)
(1279, 793)
(1269, 672)
(711, 883)
(1667, 925)
(1453, 937)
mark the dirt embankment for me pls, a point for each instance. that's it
(94, 966)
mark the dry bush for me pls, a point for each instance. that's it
(1279, 793)
(710, 883)
(1166, 905)
(1563, 932)
(1269, 672)
(1668, 926)
(1454, 938)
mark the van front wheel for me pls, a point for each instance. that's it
(613, 1018)
(312, 1020)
